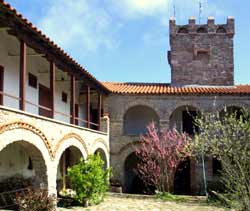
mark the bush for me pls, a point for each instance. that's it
(89, 180)
(36, 200)
(227, 139)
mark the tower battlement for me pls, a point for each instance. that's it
(209, 28)
(201, 53)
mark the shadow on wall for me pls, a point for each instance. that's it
(137, 118)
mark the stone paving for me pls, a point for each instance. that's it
(117, 203)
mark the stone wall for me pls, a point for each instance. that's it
(202, 54)
(51, 138)
(122, 145)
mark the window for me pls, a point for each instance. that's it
(183, 30)
(32, 80)
(202, 55)
(221, 30)
(202, 30)
(64, 97)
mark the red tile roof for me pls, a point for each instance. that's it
(167, 89)
(49, 41)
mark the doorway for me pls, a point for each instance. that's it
(44, 101)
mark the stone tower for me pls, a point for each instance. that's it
(202, 54)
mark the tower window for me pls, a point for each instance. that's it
(221, 30)
(183, 30)
(202, 55)
(202, 30)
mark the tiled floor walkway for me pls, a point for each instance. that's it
(116, 203)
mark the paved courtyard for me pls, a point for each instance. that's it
(116, 203)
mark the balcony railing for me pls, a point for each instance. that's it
(77, 120)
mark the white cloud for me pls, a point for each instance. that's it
(144, 7)
(85, 26)
(79, 25)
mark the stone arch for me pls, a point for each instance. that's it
(101, 145)
(69, 157)
(202, 30)
(221, 107)
(182, 118)
(183, 30)
(123, 153)
(67, 152)
(29, 160)
(238, 110)
(23, 131)
(103, 156)
(141, 102)
(136, 119)
(132, 182)
(68, 140)
(221, 30)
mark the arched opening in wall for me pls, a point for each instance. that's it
(221, 30)
(182, 178)
(70, 157)
(22, 165)
(103, 157)
(137, 118)
(202, 30)
(133, 184)
(183, 119)
(183, 30)
(238, 111)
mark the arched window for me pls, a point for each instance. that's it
(137, 118)
(221, 30)
(183, 30)
(238, 111)
(183, 119)
(202, 30)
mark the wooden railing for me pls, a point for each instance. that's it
(78, 120)
(8, 198)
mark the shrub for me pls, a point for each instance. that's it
(36, 200)
(160, 153)
(89, 180)
(227, 139)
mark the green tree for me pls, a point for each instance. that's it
(228, 139)
(89, 179)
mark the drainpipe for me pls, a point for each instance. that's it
(204, 173)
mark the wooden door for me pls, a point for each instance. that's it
(45, 101)
(1, 84)
(94, 118)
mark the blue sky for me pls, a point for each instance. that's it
(128, 40)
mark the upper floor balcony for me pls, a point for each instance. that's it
(36, 76)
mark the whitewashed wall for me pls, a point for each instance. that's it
(38, 66)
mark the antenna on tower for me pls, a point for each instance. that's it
(174, 9)
(200, 11)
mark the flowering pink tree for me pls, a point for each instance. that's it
(160, 154)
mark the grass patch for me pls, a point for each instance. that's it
(165, 196)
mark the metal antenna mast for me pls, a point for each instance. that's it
(174, 7)
(200, 11)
